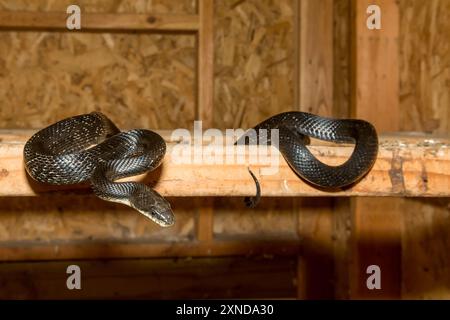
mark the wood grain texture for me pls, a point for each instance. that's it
(205, 219)
(424, 102)
(102, 6)
(152, 279)
(254, 79)
(45, 77)
(341, 57)
(425, 247)
(377, 225)
(135, 77)
(88, 249)
(205, 100)
(254, 61)
(316, 272)
(375, 76)
(425, 65)
(315, 83)
(68, 218)
(342, 215)
(205, 62)
(342, 245)
(273, 218)
(314, 93)
(406, 166)
(376, 237)
(98, 21)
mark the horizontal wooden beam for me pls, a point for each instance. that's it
(113, 249)
(407, 165)
(217, 278)
(99, 21)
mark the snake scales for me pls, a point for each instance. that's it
(294, 130)
(91, 148)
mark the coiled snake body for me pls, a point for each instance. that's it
(91, 148)
(294, 130)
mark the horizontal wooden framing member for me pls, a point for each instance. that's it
(99, 21)
(407, 165)
(31, 251)
(224, 277)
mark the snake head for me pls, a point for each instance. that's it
(152, 205)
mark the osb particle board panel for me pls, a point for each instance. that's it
(85, 218)
(272, 218)
(254, 61)
(425, 65)
(139, 80)
(103, 6)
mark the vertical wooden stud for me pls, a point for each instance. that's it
(205, 68)
(376, 236)
(314, 93)
(205, 91)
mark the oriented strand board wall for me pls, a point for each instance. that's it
(254, 61)
(110, 6)
(425, 104)
(140, 80)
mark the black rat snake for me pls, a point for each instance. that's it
(91, 148)
(295, 128)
